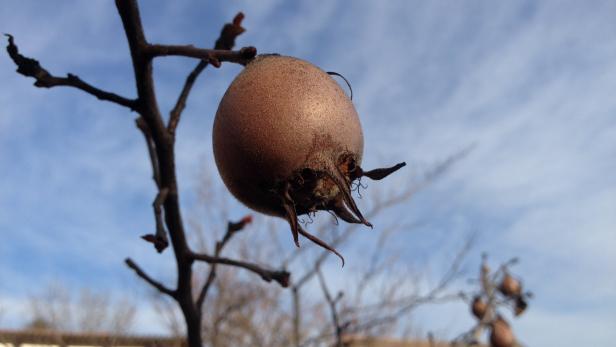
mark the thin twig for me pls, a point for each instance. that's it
(212, 56)
(161, 287)
(31, 68)
(280, 276)
(332, 307)
(232, 229)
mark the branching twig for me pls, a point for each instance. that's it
(332, 303)
(226, 41)
(485, 306)
(232, 229)
(31, 68)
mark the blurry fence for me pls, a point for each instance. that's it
(46, 338)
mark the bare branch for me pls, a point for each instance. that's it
(212, 56)
(280, 276)
(161, 287)
(31, 68)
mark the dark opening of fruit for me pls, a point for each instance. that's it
(288, 141)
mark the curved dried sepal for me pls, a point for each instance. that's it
(289, 207)
(321, 243)
(341, 211)
(520, 305)
(379, 174)
(340, 181)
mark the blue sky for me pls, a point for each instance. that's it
(530, 83)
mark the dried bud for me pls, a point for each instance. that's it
(247, 219)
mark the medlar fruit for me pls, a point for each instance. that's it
(288, 141)
(510, 286)
(479, 307)
(501, 334)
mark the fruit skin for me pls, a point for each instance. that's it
(279, 116)
(479, 307)
(501, 334)
(510, 287)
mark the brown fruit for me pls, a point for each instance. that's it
(510, 287)
(501, 334)
(288, 141)
(479, 307)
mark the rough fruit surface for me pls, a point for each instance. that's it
(279, 115)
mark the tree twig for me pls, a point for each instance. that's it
(32, 68)
(161, 287)
(212, 56)
(280, 276)
(232, 229)
(331, 302)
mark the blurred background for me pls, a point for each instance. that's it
(503, 111)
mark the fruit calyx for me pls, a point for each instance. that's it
(327, 188)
